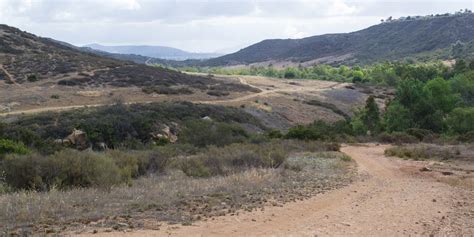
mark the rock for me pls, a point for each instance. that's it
(207, 118)
(167, 133)
(78, 139)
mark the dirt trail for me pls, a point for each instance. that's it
(394, 199)
(263, 92)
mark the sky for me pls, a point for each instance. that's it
(205, 25)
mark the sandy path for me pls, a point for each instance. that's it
(394, 200)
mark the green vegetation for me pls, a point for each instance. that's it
(131, 126)
(202, 133)
(71, 168)
(8, 146)
(388, 73)
(427, 102)
(429, 151)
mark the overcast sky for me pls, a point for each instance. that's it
(204, 25)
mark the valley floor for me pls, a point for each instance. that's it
(394, 198)
(279, 103)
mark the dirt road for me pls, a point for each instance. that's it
(263, 92)
(394, 199)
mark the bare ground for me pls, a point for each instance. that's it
(394, 199)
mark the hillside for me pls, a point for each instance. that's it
(160, 52)
(392, 40)
(26, 58)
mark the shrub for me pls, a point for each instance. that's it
(203, 133)
(289, 74)
(407, 153)
(274, 134)
(218, 93)
(460, 120)
(165, 90)
(195, 167)
(397, 138)
(423, 152)
(64, 169)
(32, 78)
(234, 158)
(419, 133)
(467, 137)
(8, 146)
(128, 162)
(55, 96)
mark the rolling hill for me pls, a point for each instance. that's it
(392, 40)
(27, 58)
(160, 52)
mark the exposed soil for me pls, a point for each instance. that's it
(394, 199)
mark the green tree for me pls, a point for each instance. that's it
(461, 120)
(409, 92)
(439, 94)
(460, 66)
(357, 125)
(371, 115)
(463, 84)
(357, 76)
(397, 118)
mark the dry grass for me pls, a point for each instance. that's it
(174, 197)
(432, 151)
(450, 164)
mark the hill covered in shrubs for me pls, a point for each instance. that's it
(391, 40)
(27, 58)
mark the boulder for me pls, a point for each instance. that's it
(77, 139)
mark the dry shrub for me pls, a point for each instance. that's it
(234, 158)
(423, 152)
(397, 138)
(68, 168)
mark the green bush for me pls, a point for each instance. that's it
(233, 158)
(64, 169)
(202, 133)
(407, 153)
(32, 78)
(461, 120)
(274, 134)
(123, 126)
(423, 152)
(8, 146)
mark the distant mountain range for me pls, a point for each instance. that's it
(159, 52)
(397, 39)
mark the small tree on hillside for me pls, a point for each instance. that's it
(371, 117)
(367, 119)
